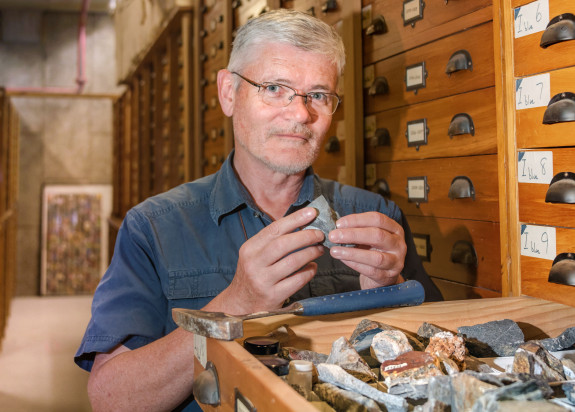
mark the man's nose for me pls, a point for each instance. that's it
(302, 110)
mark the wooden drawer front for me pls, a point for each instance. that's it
(439, 20)
(531, 58)
(213, 19)
(478, 42)
(316, 7)
(436, 116)
(481, 170)
(532, 206)
(531, 132)
(535, 272)
(445, 245)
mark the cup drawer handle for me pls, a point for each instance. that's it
(332, 145)
(561, 189)
(563, 269)
(461, 123)
(461, 188)
(460, 60)
(377, 26)
(561, 28)
(464, 253)
(379, 86)
(561, 109)
(381, 138)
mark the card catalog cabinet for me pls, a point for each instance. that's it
(9, 156)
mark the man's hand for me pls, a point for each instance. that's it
(272, 266)
(380, 251)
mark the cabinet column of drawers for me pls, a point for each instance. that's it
(540, 82)
(431, 133)
(9, 156)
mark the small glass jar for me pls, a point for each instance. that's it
(266, 350)
(300, 376)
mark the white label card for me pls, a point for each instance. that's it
(416, 189)
(416, 132)
(366, 16)
(535, 167)
(531, 18)
(538, 241)
(200, 350)
(414, 76)
(534, 91)
(411, 10)
(368, 76)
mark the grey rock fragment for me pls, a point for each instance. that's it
(568, 368)
(344, 400)
(291, 353)
(495, 338)
(564, 341)
(413, 390)
(528, 406)
(344, 355)
(337, 376)
(433, 406)
(439, 389)
(465, 390)
(569, 390)
(530, 390)
(533, 359)
(427, 330)
(389, 344)
(325, 220)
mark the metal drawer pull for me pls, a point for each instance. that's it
(377, 26)
(563, 269)
(379, 86)
(561, 109)
(381, 138)
(206, 387)
(461, 188)
(464, 253)
(561, 28)
(461, 123)
(382, 188)
(236, 4)
(332, 145)
(460, 60)
(561, 189)
(329, 5)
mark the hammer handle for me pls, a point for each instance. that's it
(408, 293)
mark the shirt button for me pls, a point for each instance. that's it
(256, 214)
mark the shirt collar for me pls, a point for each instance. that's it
(229, 194)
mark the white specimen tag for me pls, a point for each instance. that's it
(370, 174)
(416, 189)
(531, 18)
(538, 241)
(411, 10)
(534, 91)
(414, 76)
(535, 167)
(200, 350)
(369, 126)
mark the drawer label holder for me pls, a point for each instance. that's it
(535, 167)
(412, 11)
(415, 77)
(423, 246)
(241, 403)
(538, 242)
(417, 189)
(416, 133)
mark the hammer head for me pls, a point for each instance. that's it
(215, 325)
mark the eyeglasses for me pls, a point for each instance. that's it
(280, 95)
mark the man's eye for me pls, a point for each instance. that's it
(318, 97)
(273, 88)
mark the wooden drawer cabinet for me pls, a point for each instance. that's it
(531, 132)
(535, 271)
(462, 251)
(532, 206)
(329, 12)
(247, 10)
(427, 64)
(470, 116)
(439, 175)
(438, 19)
(530, 57)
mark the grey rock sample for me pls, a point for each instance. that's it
(439, 389)
(527, 406)
(389, 344)
(564, 341)
(344, 400)
(495, 338)
(530, 390)
(344, 355)
(337, 376)
(433, 406)
(364, 332)
(569, 390)
(413, 390)
(532, 358)
(290, 353)
(325, 220)
(465, 390)
(568, 368)
(427, 330)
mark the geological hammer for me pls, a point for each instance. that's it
(222, 326)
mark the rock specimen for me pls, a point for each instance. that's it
(569, 390)
(533, 359)
(568, 368)
(411, 368)
(344, 355)
(389, 344)
(325, 220)
(530, 390)
(337, 376)
(564, 341)
(448, 345)
(426, 331)
(290, 353)
(465, 390)
(344, 400)
(495, 338)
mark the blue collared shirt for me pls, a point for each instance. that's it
(180, 249)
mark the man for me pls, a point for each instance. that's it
(230, 242)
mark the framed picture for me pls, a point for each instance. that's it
(74, 237)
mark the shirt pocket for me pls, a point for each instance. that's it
(193, 289)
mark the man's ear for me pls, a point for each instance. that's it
(226, 91)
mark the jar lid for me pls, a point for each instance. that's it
(301, 365)
(262, 345)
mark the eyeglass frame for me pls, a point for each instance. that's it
(295, 92)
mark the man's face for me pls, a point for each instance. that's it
(284, 139)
